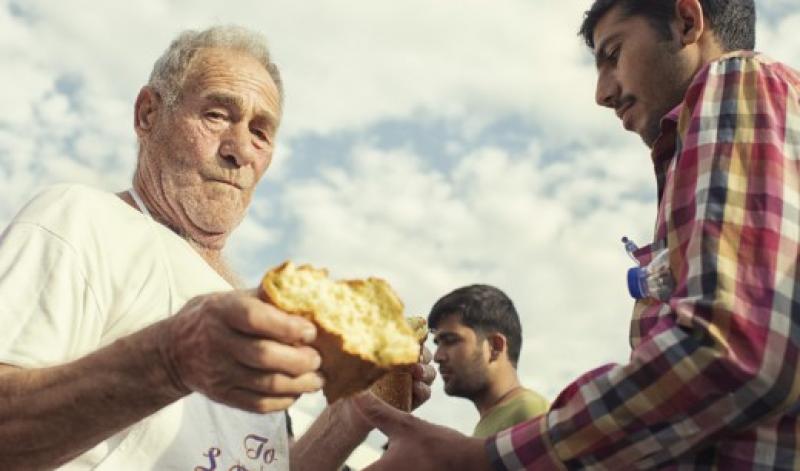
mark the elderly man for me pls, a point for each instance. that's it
(124, 346)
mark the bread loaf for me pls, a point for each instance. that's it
(395, 386)
(361, 332)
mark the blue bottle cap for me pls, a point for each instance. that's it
(634, 287)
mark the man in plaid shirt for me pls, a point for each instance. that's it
(712, 381)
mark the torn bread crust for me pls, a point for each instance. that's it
(396, 386)
(396, 389)
(352, 359)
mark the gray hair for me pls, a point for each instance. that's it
(170, 69)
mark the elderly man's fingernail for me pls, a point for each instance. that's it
(320, 381)
(307, 331)
(316, 362)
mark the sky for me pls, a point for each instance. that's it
(432, 143)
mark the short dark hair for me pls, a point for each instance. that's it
(484, 309)
(733, 21)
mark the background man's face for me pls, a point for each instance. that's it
(463, 358)
(211, 149)
(640, 74)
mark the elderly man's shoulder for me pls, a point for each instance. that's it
(76, 212)
(69, 203)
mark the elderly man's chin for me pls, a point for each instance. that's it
(218, 209)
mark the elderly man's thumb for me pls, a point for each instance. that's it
(381, 415)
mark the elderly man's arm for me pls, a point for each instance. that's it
(51, 415)
(231, 347)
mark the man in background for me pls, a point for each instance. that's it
(478, 339)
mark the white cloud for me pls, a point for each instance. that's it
(347, 63)
(495, 219)
(543, 223)
(781, 41)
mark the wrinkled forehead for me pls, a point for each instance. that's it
(218, 72)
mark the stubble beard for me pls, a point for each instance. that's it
(674, 82)
(471, 382)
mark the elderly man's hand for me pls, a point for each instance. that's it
(423, 373)
(240, 351)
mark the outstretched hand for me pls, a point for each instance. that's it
(419, 445)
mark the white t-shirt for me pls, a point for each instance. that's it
(80, 268)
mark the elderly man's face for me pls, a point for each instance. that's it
(209, 151)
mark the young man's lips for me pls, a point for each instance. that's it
(624, 115)
(627, 124)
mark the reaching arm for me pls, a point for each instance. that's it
(330, 439)
(720, 356)
(341, 428)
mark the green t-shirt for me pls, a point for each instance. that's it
(521, 407)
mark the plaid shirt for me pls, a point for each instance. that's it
(713, 378)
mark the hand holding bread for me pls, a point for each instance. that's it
(361, 331)
(240, 351)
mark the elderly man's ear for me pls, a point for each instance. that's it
(146, 110)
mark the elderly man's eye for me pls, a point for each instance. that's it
(260, 134)
(216, 116)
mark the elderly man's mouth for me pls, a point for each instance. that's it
(232, 183)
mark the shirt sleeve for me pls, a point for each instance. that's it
(48, 311)
(723, 353)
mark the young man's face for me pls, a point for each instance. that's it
(641, 75)
(462, 356)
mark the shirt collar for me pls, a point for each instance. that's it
(664, 147)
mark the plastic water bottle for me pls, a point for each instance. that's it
(653, 280)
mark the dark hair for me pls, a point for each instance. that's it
(485, 309)
(733, 21)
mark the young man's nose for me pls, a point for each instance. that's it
(438, 355)
(607, 90)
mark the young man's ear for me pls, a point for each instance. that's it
(145, 112)
(689, 23)
(498, 345)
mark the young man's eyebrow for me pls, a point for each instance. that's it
(444, 336)
(600, 54)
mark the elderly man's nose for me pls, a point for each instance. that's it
(237, 146)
